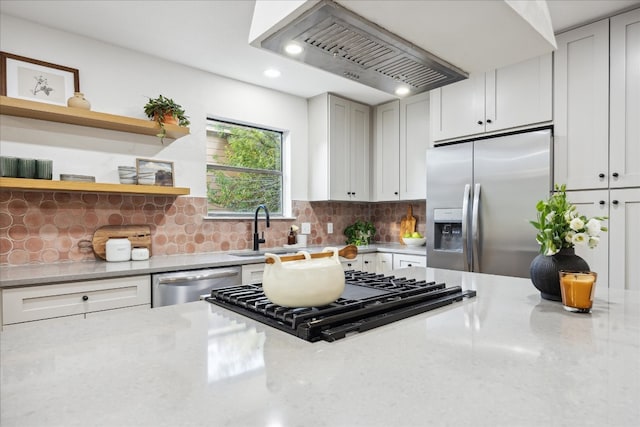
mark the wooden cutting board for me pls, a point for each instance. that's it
(408, 224)
(139, 235)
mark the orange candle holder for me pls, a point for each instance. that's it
(577, 289)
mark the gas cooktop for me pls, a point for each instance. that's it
(368, 301)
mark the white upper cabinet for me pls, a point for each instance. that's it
(414, 140)
(597, 104)
(581, 107)
(387, 152)
(339, 140)
(510, 97)
(456, 109)
(359, 157)
(401, 140)
(624, 142)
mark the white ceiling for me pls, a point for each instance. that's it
(213, 36)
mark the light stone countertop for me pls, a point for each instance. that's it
(44, 274)
(503, 358)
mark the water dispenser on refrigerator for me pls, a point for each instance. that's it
(447, 231)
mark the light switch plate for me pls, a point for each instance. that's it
(330, 228)
(306, 228)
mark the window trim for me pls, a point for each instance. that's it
(285, 172)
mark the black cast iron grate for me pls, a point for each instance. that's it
(370, 300)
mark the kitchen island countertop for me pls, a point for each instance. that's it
(44, 274)
(503, 358)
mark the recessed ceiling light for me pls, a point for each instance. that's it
(402, 90)
(293, 49)
(272, 73)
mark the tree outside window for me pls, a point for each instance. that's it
(244, 169)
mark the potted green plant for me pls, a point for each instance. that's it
(360, 233)
(560, 228)
(165, 110)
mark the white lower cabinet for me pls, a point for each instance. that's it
(377, 263)
(352, 264)
(252, 273)
(615, 259)
(29, 303)
(594, 203)
(384, 263)
(624, 243)
(369, 263)
(404, 260)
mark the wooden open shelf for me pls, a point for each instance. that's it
(89, 187)
(77, 116)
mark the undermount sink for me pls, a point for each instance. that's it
(260, 252)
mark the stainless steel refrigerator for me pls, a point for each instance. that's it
(481, 195)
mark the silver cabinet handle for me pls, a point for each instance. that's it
(465, 221)
(208, 275)
(475, 229)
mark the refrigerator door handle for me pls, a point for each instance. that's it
(465, 221)
(475, 229)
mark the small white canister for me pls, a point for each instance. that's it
(139, 254)
(118, 249)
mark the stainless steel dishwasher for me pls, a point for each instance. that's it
(186, 286)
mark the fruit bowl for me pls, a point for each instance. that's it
(414, 241)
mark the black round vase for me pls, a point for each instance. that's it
(544, 271)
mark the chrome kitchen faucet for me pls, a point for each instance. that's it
(256, 239)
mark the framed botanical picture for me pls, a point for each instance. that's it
(35, 80)
(154, 172)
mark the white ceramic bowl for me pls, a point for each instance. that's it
(413, 241)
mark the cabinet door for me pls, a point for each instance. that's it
(402, 261)
(339, 148)
(581, 107)
(384, 263)
(369, 262)
(414, 140)
(624, 233)
(594, 203)
(358, 164)
(65, 299)
(387, 152)
(252, 273)
(624, 143)
(352, 264)
(518, 95)
(458, 109)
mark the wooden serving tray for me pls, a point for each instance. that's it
(139, 235)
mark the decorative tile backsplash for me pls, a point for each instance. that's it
(46, 227)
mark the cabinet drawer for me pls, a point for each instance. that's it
(65, 299)
(402, 261)
(252, 273)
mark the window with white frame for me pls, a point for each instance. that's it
(244, 169)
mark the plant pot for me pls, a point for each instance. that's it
(167, 119)
(545, 271)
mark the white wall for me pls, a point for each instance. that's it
(118, 81)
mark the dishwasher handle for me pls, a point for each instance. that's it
(213, 274)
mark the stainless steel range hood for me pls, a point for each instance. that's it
(337, 40)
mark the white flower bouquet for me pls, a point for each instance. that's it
(560, 225)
